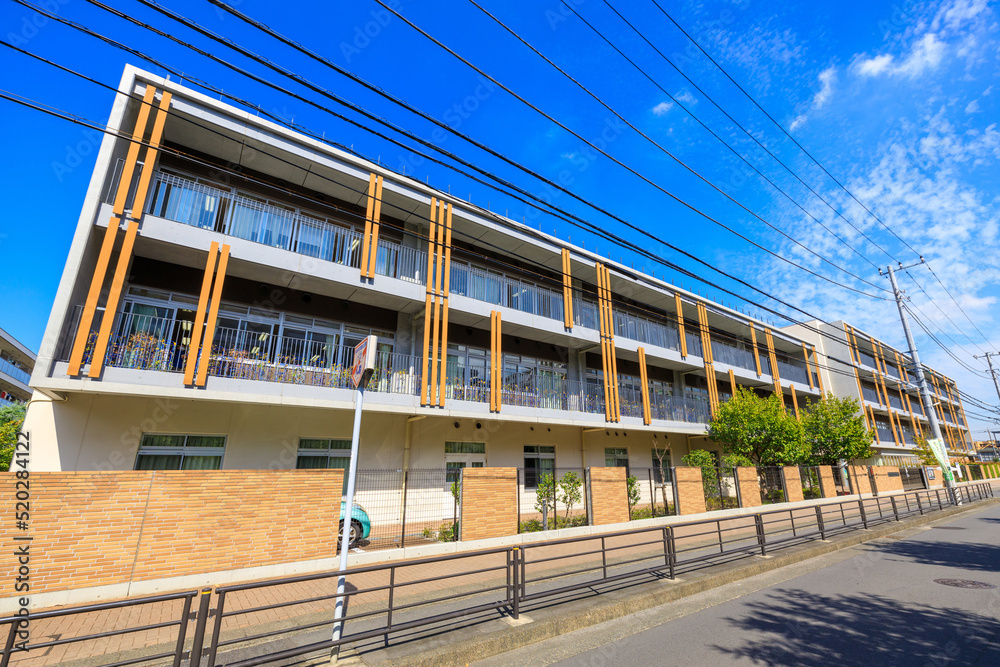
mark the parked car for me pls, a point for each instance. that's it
(361, 525)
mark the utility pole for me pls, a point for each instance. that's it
(918, 370)
(989, 362)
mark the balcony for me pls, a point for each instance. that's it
(205, 206)
(14, 371)
(143, 342)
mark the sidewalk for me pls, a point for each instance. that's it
(428, 586)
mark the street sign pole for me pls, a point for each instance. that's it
(361, 371)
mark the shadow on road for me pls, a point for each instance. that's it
(965, 555)
(803, 628)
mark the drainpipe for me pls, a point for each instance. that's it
(406, 468)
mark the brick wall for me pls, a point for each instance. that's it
(859, 479)
(938, 480)
(827, 485)
(746, 478)
(885, 480)
(100, 528)
(489, 503)
(690, 491)
(608, 495)
(793, 484)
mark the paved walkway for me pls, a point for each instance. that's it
(876, 604)
(454, 583)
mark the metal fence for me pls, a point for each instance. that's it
(772, 485)
(809, 476)
(280, 619)
(720, 488)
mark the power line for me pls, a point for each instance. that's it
(817, 163)
(783, 130)
(737, 124)
(809, 327)
(631, 170)
(660, 147)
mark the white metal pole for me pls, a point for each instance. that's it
(352, 472)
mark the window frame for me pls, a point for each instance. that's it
(537, 455)
(183, 450)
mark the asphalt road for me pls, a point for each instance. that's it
(875, 604)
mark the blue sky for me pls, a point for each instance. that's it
(898, 101)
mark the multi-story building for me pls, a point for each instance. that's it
(224, 266)
(882, 380)
(16, 364)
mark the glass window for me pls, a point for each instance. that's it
(538, 460)
(159, 451)
(323, 453)
(616, 457)
(465, 448)
(664, 473)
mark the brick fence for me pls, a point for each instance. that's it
(827, 484)
(489, 503)
(101, 528)
(608, 495)
(793, 483)
(860, 482)
(749, 485)
(887, 479)
(690, 490)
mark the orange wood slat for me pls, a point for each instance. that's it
(107, 322)
(805, 354)
(376, 225)
(93, 295)
(445, 292)
(425, 357)
(795, 400)
(436, 310)
(647, 413)
(199, 316)
(369, 213)
(125, 180)
(149, 161)
(680, 325)
(213, 313)
(756, 350)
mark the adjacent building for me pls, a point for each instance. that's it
(882, 380)
(16, 364)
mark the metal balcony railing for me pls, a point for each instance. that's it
(792, 372)
(14, 371)
(730, 353)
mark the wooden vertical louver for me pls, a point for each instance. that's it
(435, 350)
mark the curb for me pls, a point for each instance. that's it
(598, 610)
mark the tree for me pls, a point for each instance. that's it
(663, 463)
(757, 431)
(570, 491)
(545, 496)
(701, 458)
(11, 420)
(634, 494)
(834, 429)
(923, 452)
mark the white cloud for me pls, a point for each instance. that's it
(826, 78)
(874, 66)
(798, 122)
(685, 97)
(927, 53)
(972, 107)
(662, 108)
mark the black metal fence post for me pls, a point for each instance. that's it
(864, 517)
(920, 505)
(406, 489)
(652, 494)
(516, 590)
(673, 550)
(217, 629)
(199, 629)
(9, 646)
(895, 511)
(759, 522)
(182, 632)
(819, 523)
